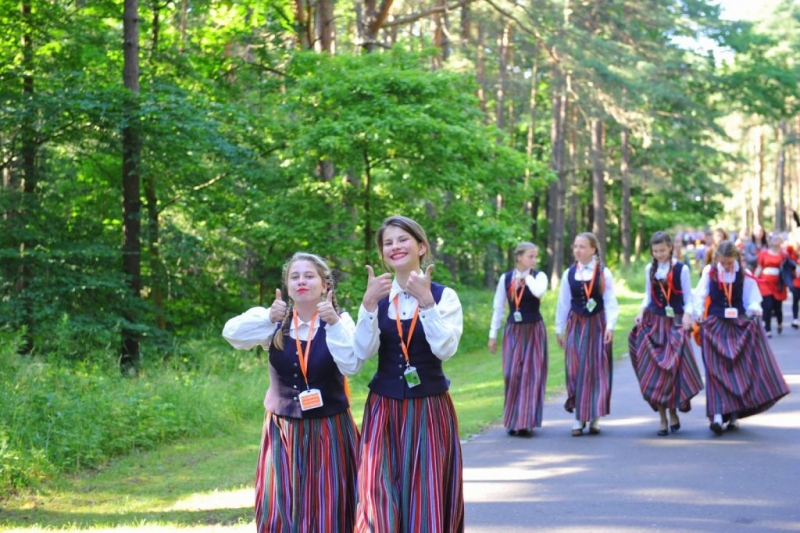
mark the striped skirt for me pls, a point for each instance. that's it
(663, 359)
(742, 374)
(306, 474)
(588, 366)
(524, 374)
(410, 475)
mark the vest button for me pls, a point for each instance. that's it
(295, 399)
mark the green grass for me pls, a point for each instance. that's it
(205, 483)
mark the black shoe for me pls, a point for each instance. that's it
(662, 433)
(511, 432)
(525, 433)
(716, 428)
(675, 427)
(795, 324)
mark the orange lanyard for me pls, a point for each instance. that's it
(668, 291)
(591, 283)
(303, 357)
(727, 288)
(404, 343)
(517, 288)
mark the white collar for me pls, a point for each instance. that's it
(588, 266)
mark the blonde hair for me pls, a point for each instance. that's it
(524, 247)
(324, 272)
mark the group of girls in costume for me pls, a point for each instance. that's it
(404, 472)
(742, 375)
(586, 314)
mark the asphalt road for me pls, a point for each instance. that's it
(629, 479)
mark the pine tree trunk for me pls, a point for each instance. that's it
(780, 214)
(555, 206)
(626, 228)
(598, 186)
(131, 202)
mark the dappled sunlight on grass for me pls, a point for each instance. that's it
(231, 499)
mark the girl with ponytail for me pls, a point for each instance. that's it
(306, 470)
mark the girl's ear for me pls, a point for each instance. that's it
(422, 250)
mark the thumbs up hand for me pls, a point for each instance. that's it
(326, 310)
(419, 286)
(378, 287)
(277, 311)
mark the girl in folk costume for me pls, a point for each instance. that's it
(660, 344)
(773, 292)
(742, 376)
(410, 473)
(306, 473)
(586, 314)
(524, 341)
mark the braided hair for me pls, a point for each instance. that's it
(726, 249)
(324, 272)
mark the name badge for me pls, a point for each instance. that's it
(517, 316)
(669, 311)
(731, 312)
(310, 399)
(412, 377)
(590, 305)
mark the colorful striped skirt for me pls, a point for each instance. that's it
(410, 476)
(306, 474)
(524, 374)
(742, 374)
(663, 359)
(588, 366)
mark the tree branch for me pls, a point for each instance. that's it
(422, 14)
(523, 27)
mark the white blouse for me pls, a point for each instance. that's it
(536, 285)
(254, 328)
(443, 323)
(584, 273)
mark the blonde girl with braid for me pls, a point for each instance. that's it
(307, 464)
(660, 342)
(586, 314)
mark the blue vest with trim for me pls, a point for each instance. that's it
(286, 378)
(719, 302)
(676, 299)
(389, 380)
(528, 305)
(579, 299)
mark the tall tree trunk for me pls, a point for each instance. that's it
(572, 196)
(780, 214)
(598, 186)
(555, 206)
(503, 43)
(325, 28)
(131, 202)
(480, 67)
(758, 178)
(626, 227)
(28, 180)
(532, 118)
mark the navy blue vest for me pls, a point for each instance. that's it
(676, 299)
(286, 379)
(579, 298)
(389, 379)
(528, 305)
(719, 302)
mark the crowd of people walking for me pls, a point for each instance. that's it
(403, 470)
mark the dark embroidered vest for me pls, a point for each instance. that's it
(719, 302)
(286, 379)
(528, 305)
(578, 294)
(657, 295)
(389, 379)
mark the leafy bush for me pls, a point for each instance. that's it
(58, 416)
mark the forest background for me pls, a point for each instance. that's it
(160, 161)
